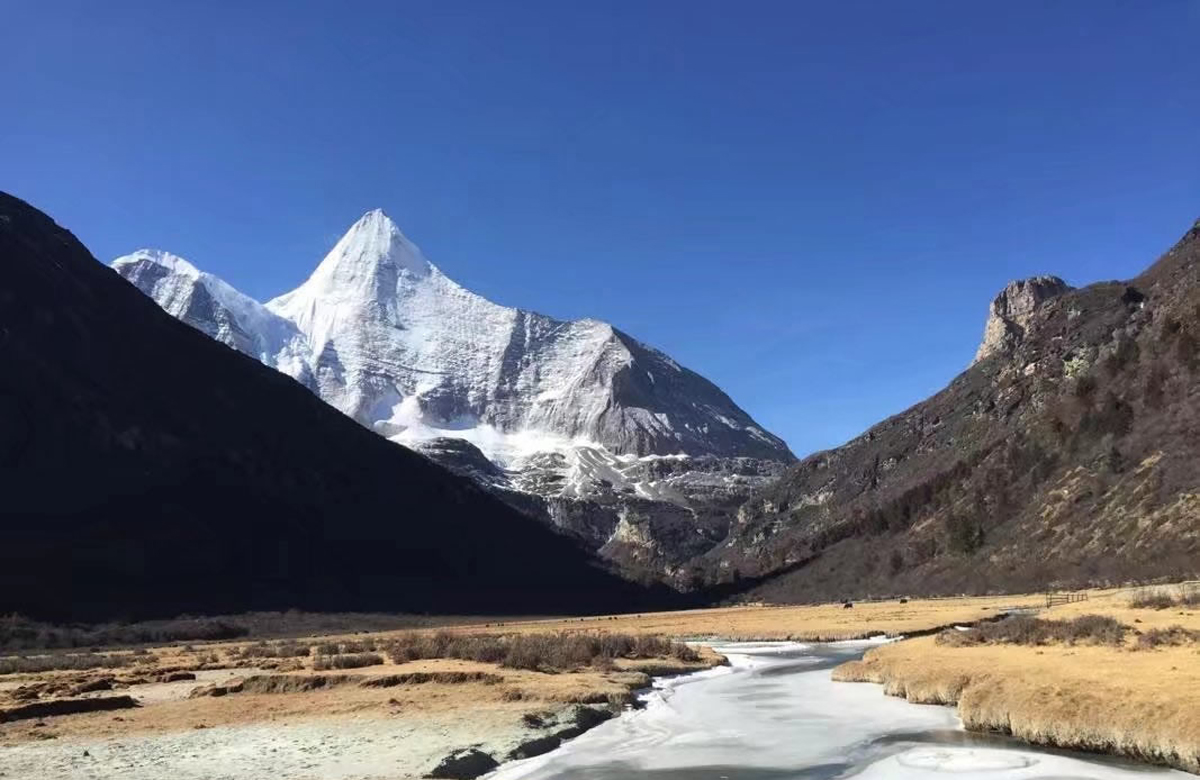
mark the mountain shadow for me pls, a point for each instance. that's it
(148, 470)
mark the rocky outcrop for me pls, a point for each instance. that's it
(47, 709)
(1012, 311)
(659, 514)
(466, 764)
(1069, 456)
(465, 459)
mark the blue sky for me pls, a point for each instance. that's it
(809, 203)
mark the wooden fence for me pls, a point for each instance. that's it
(1054, 599)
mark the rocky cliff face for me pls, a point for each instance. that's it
(1067, 455)
(1013, 310)
(563, 411)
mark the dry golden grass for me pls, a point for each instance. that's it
(1140, 703)
(443, 689)
(821, 622)
(1137, 702)
(521, 689)
(519, 692)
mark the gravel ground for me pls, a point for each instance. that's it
(330, 749)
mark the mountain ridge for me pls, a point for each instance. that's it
(375, 294)
(149, 470)
(1065, 456)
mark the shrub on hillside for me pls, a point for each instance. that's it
(538, 650)
(275, 650)
(348, 646)
(53, 663)
(1024, 630)
(1167, 637)
(351, 661)
(20, 633)
(1166, 597)
(1152, 600)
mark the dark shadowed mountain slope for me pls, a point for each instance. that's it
(146, 469)
(1068, 454)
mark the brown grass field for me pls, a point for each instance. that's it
(809, 623)
(508, 696)
(1130, 699)
(1125, 699)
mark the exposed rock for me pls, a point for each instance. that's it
(658, 515)
(464, 765)
(535, 747)
(1012, 311)
(465, 459)
(582, 719)
(171, 677)
(46, 709)
(590, 717)
(91, 686)
(216, 691)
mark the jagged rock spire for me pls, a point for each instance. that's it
(1011, 311)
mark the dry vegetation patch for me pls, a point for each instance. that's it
(1026, 630)
(1173, 636)
(806, 622)
(1079, 678)
(558, 651)
(1166, 597)
(349, 661)
(288, 649)
(20, 633)
(447, 676)
(59, 662)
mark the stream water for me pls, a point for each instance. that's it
(775, 714)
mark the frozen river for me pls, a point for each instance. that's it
(774, 714)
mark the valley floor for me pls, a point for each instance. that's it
(240, 716)
(803, 623)
(243, 709)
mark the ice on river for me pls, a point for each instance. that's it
(774, 713)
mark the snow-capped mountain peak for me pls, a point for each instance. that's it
(360, 283)
(161, 257)
(386, 337)
(371, 257)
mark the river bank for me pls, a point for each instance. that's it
(775, 714)
(1137, 696)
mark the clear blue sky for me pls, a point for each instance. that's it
(809, 203)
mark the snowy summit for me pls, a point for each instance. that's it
(383, 335)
